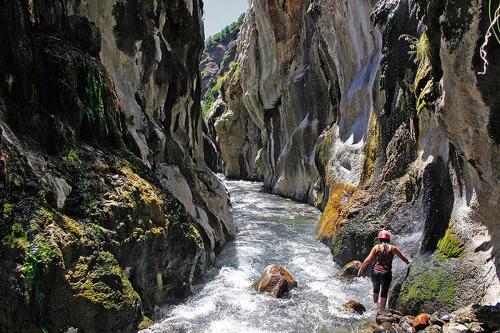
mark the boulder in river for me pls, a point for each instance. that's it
(275, 281)
(349, 271)
(355, 307)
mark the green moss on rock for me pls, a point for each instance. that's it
(430, 286)
(146, 323)
(72, 157)
(324, 151)
(98, 279)
(17, 238)
(337, 245)
(6, 211)
(450, 246)
(94, 94)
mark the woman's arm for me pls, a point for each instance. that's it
(367, 261)
(399, 254)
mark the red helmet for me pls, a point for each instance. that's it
(384, 234)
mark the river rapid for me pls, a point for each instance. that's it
(271, 230)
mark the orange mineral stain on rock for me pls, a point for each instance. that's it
(331, 219)
(421, 321)
(286, 19)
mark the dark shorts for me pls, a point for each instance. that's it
(382, 281)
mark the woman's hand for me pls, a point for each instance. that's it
(361, 271)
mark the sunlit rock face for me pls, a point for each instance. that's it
(109, 209)
(153, 58)
(375, 112)
(305, 68)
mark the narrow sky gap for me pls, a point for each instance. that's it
(219, 13)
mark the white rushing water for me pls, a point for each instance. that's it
(271, 230)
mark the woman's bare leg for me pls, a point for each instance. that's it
(383, 302)
(375, 298)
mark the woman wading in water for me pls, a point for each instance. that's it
(381, 274)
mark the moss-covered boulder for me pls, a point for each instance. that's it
(104, 297)
(434, 284)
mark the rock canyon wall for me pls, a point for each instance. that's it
(375, 112)
(108, 208)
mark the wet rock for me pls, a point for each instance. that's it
(463, 316)
(406, 324)
(387, 317)
(455, 328)
(275, 281)
(349, 271)
(146, 323)
(355, 307)
(446, 318)
(434, 329)
(488, 315)
(61, 190)
(421, 321)
(475, 327)
(436, 319)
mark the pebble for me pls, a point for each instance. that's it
(445, 318)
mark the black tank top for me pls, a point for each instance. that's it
(383, 259)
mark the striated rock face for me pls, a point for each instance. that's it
(108, 208)
(375, 112)
(237, 136)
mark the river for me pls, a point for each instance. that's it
(271, 230)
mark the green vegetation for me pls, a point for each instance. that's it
(324, 154)
(213, 92)
(211, 95)
(433, 285)
(215, 39)
(420, 48)
(17, 238)
(337, 245)
(94, 95)
(35, 271)
(423, 48)
(15, 179)
(72, 157)
(450, 246)
(6, 211)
